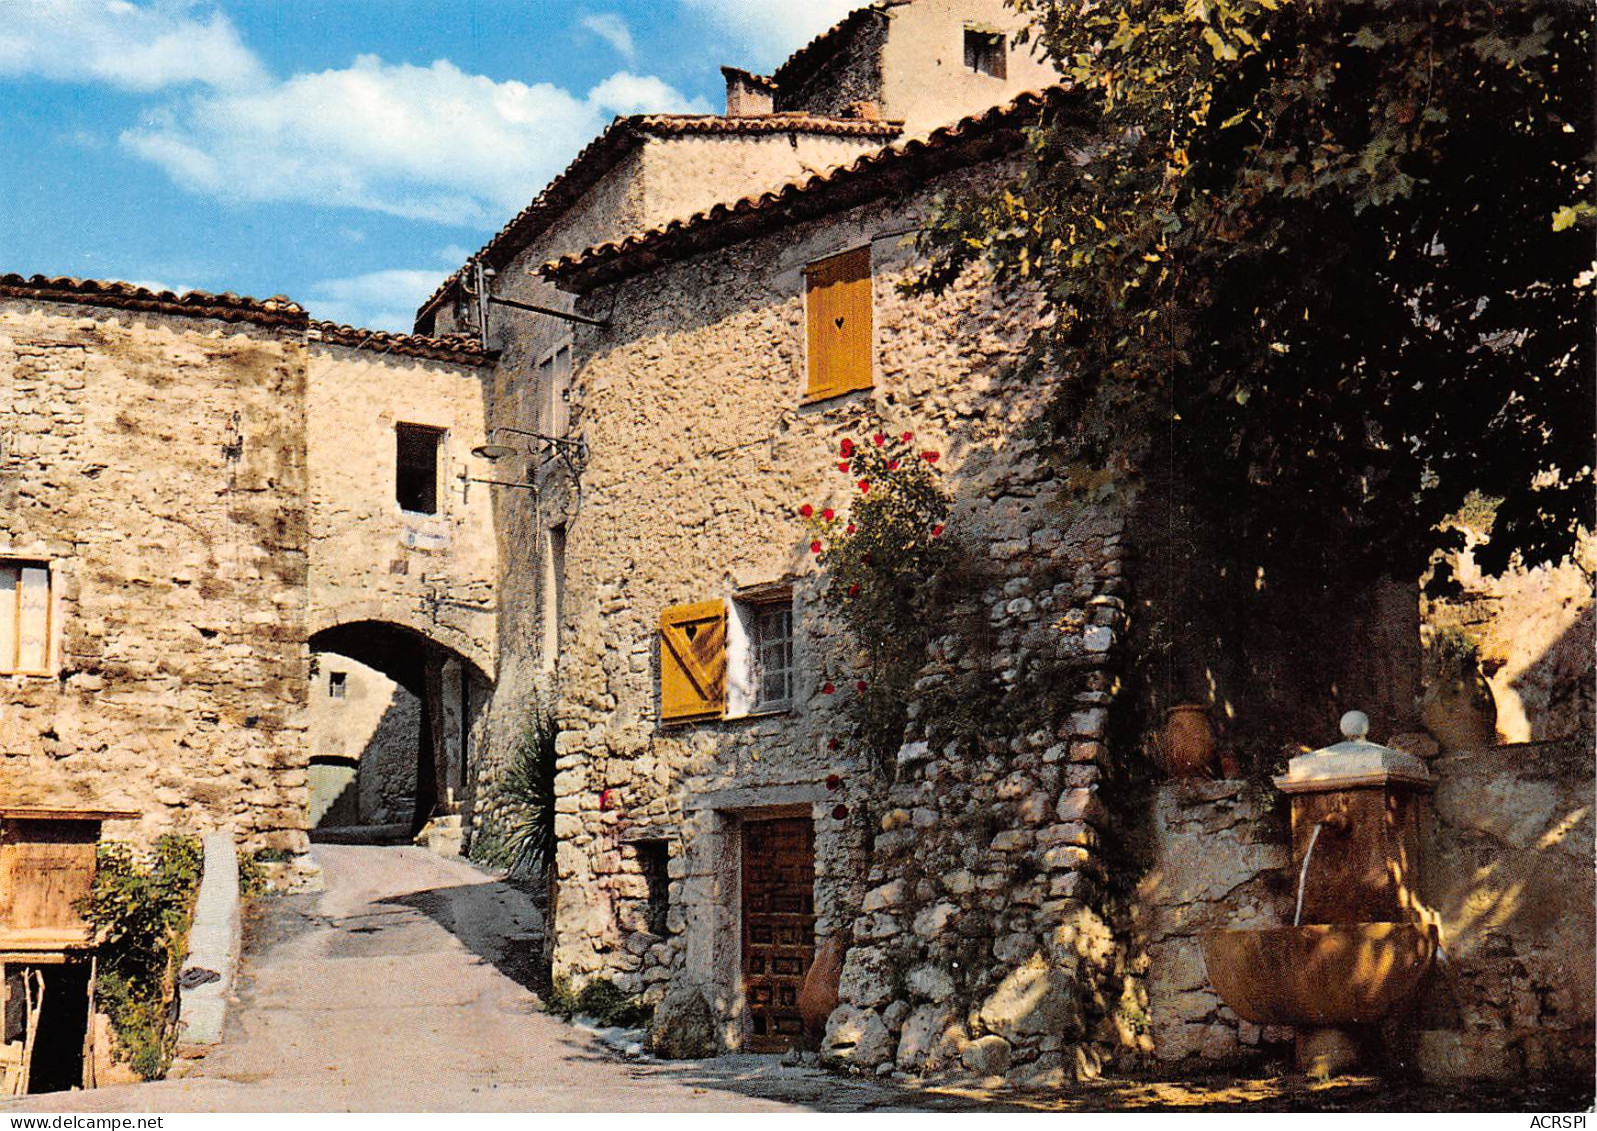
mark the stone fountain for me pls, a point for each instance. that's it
(1358, 945)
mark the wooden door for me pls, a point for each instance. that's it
(778, 927)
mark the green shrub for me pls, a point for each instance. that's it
(528, 847)
(141, 904)
(601, 1000)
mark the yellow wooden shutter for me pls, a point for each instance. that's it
(839, 295)
(693, 661)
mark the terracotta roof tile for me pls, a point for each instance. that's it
(448, 347)
(623, 135)
(229, 307)
(276, 311)
(899, 167)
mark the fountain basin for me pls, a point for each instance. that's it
(1319, 975)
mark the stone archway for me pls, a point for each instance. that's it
(391, 722)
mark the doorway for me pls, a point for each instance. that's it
(778, 927)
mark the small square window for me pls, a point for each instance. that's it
(986, 52)
(337, 685)
(416, 468)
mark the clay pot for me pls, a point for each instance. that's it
(819, 996)
(1187, 743)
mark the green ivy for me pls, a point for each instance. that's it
(141, 904)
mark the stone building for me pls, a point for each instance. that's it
(890, 69)
(196, 492)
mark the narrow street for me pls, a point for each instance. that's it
(396, 989)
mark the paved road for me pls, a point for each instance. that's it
(396, 990)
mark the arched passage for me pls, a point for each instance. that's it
(391, 718)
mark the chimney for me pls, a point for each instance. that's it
(748, 95)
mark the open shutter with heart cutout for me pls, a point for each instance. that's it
(838, 292)
(693, 662)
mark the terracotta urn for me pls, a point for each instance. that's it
(818, 997)
(1187, 743)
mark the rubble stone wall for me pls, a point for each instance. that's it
(369, 559)
(1219, 858)
(158, 463)
(1507, 868)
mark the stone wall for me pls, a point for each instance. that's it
(982, 946)
(1217, 858)
(1507, 868)
(369, 559)
(971, 882)
(158, 463)
(365, 745)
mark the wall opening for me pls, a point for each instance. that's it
(554, 593)
(654, 861)
(416, 468)
(986, 52)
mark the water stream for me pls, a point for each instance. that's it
(1303, 873)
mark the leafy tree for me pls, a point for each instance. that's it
(1320, 270)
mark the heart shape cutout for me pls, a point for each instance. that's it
(839, 322)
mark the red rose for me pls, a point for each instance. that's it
(832, 744)
(828, 514)
(806, 510)
(840, 812)
(880, 438)
(937, 531)
(853, 590)
(815, 547)
(833, 781)
(892, 465)
(929, 457)
(843, 467)
(846, 447)
(907, 437)
(864, 486)
(860, 686)
(827, 689)
(850, 529)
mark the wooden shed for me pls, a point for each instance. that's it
(47, 863)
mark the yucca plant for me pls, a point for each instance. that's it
(529, 791)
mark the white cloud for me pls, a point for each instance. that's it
(129, 46)
(613, 30)
(378, 300)
(432, 143)
(771, 30)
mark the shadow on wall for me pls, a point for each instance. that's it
(376, 783)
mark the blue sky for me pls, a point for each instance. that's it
(348, 154)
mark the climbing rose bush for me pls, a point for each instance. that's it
(882, 553)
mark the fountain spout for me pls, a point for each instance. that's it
(1339, 824)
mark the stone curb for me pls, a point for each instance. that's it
(214, 943)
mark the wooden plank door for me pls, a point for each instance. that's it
(778, 927)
